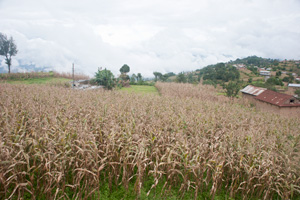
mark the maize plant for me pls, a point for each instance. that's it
(58, 143)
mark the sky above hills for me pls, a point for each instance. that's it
(149, 35)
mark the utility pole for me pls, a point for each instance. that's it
(73, 77)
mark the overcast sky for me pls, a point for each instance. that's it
(149, 35)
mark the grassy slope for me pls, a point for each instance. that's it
(42, 80)
(144, 89)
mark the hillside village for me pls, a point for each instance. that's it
(280, 76)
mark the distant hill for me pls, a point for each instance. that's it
(22, 67)
(256, 61)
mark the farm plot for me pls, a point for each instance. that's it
(59, 143)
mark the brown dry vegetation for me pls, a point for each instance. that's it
(56, 140)
(77, 76)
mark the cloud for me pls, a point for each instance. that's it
(149, 35)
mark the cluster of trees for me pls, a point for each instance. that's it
(8, 48)
(136, 79)
(162, 77)
(270, 84)
(288, 79)
(187, 78)
(220, 73)
(106, 78)
(274, 81)
(253, 69)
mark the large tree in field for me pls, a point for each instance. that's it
(8, 48)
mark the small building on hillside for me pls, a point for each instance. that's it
(279, 103)
(292, 88)
(250, 92)
(265, 73)
(293, 85)
(239, 66)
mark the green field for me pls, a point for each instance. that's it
(144, 89)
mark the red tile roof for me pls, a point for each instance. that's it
(278, 99)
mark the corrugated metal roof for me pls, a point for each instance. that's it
(277, 99)
(252, 90)
(293, 85)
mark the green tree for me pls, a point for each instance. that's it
(289, 79)
(164, 77)
(181, 78)
(250, 80)
(191, 78)
(106, 78)
(170, 74)
(133, 79)
(232, 89)
(220, 72)
(157, 76)
(124, 69)
(274, 81)
(8, 48)
(139, 78)
(278, 73)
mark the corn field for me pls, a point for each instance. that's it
(56, 143)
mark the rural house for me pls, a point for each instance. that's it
(270, 101)
(265, 73)
(250, 92)
(292, 88)
(279, 103)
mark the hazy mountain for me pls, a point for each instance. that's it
(21, 66)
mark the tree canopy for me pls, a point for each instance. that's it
(256, 61)
(232, 89)
(139, 77)
(106, 78)
(157, 76)
(220, 72)
(124, 69)
(8, 48)
(181, 78)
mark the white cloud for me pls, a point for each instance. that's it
(149, 36)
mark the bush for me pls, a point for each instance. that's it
(232, 89)
(106, 78)
(209, 82)
(274, 81)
